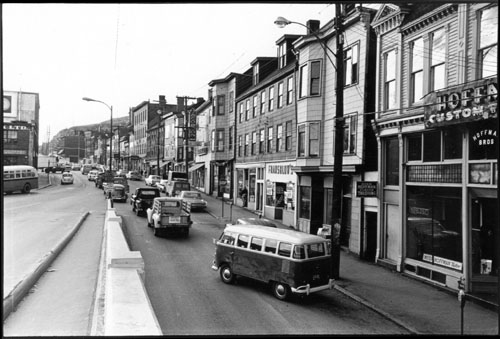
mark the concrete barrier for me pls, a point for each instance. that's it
(126, 306)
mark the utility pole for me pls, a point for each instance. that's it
(338, 147)
(185, 132)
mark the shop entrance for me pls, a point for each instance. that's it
(484, 229)
(371, 236)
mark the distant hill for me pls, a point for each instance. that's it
(105, 125)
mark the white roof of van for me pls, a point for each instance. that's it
(281, 234)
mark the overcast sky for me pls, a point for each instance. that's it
(123, 54)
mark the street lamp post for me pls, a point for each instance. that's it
(111, 125)
(339, 133)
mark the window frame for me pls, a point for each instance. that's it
(480, 54)
(390, 83)
(271, 99)
(270, 132)
(280, 94)
(279, 137)
(263, 102)
(288, 135)
(416, 72)
(289, 91)
(351, 64)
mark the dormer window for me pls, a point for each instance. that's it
(255, 74)
(282, 55)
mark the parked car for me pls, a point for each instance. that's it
(92, 175)
(151, 180)
(169, 215)
(175, 187)
(116, 180)
(194, 200)
(67, 178)
(117, 192)
(142, 199)
(76, 168)
(162, 185)
(103, 177)
(133, 175)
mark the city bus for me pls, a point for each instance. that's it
(291, 262)
(19, 178)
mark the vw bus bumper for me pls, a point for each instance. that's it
(308, 289)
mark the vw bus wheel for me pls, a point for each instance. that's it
(26, 188)
(281, 291)
(226, 274)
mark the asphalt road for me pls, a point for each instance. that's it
(190, 299)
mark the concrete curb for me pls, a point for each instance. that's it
(23, 287)
(375, 309)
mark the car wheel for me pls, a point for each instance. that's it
(26, 188)
(281, 291)
(226, 274)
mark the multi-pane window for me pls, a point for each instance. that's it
(314, 139)
(231, 101)
(310, 79)
(282, 55)
(417, 70)
(241, 112)
(280, 95)
(438, 58)
(269, 139)
(279, 138)
(390, 80)
(392, 161)
(271, 98)
(254, 107)
(247, 141)
(230, 143)
(255, 74)
(254, 143)
(301, 136)
(247, 111)
(220, 140)
(289, 90)
(288, 140)
(488, 42)
(350, 134)
(262, 137)
(315, 77)
(262, 102)
(351, 65)
(9, 137)
(221, 104)
(435, 145)
(212, 141)
(240, 144)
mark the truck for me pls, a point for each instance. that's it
(142, 199)
(169, 216)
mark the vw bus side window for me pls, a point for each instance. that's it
(270, 246)
(256, 244)
(299, 252)
(227, 238)
(285, 249)
(315, 250)
(242, 241)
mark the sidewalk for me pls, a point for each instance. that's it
(414, 305)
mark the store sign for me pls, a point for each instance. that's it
(280, 169)
(366, 189)
(476, 100)
(442, 261)
(485, 137)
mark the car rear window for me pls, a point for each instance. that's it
(152, 193)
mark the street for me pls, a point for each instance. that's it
(187, 296)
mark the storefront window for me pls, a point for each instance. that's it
(434, 225)
(305, 202)
(452, 143)
(275, 194)
(483, 141)
(432, 146)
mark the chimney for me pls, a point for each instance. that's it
(162, 100)
(180, 104)
(200, 100)
(312, 26)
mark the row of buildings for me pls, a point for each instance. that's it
(420, 148)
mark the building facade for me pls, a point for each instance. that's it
(437, 134)
(20, 128)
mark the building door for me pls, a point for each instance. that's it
(371, 235)
(393, 232)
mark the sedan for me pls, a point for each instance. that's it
(152, 180)
(194, 199)
(67, 178)
(133, 175)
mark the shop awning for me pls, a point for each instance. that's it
(196, 166)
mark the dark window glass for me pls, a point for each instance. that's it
(452, 143)
(305, 202)
(432, 146)
(415, 147)
(392, 161)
